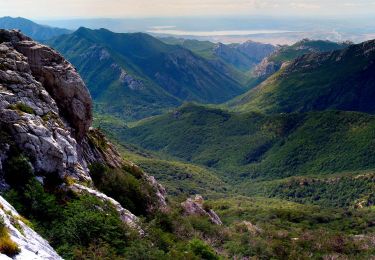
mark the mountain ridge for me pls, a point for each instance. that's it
(340, 79)
(31, 29)
(174, 75)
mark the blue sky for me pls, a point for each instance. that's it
(174, 8)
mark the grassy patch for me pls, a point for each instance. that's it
(7, 246)
(22, 108)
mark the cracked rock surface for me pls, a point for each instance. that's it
(30, 112)
(46, 111)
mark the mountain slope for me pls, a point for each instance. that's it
(134, 75)
(242, 56)
(342, 79)
(31, 29)
(284, 54)
(256, 146)
(53, 163)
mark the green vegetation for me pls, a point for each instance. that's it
(199, 248)
(81, 227)
(131, 191)
(22, 108)
(202, 48)
(253, 145)
(240, 57)
(338, 191)
(329, 153)
(341, 80)
(306, 46)
(85, 227)
(17, 170)
(287, 230)
(179, 178)
(7, 246)
(140, 76)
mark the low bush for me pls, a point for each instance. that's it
(134, 194)
(17, 170)
(201, 249)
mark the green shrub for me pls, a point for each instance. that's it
(72, 226)
(134, 194)
(33, 202)
(18, 171)
(201, 249)
(22, 108)
(144, 250)
(85, 220)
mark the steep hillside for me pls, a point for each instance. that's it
(136, 75)
(256, 146)
(52, 164)
(284, 54)
(63, 179)
(179, 178)
(31, 29)
(342, 79)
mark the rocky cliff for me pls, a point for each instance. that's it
(46, 115)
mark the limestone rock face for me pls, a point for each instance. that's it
(46, 112)
(194, 206)
(96, 148)
(266, 68)
(31, 116)
(61, 81)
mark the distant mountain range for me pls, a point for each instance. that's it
(136, 75)
(313, 117)
(31, 29)
(242, 56)
(133, 76)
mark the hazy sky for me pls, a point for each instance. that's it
(172, 8)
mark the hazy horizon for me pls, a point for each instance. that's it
(46, 9)
(229, 29)
(270, 21)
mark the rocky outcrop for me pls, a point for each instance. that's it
(62, 82)
(256, 50)
(160, 193)
(194, 206)
(243, 56)
(250, 227)
(30, 244)
(46, 112)
(32, 117)
(265, 69)
(95, 147)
